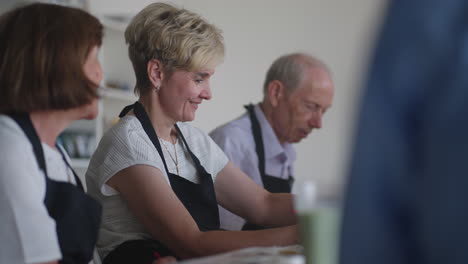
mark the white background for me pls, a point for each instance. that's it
(256, 32)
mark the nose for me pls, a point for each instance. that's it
(316, 120)
(206, 92)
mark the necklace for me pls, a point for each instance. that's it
(175, 160)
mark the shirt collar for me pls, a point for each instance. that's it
(273, 148)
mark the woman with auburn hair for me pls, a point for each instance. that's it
(158, 178)
(49, 75)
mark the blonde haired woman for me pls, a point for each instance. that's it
(158, 178)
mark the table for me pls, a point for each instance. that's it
(255, 255)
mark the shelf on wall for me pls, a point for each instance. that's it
(83, 126)
(79, 163)
(112, 93)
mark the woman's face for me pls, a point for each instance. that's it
(92, 66)
(93, 71)
(182, 93)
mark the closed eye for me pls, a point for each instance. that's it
(312, 107)
(200, 77)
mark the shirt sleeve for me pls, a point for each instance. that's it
(28, 232)
(219, 156)
(212, 158)
(240, 149)
(121, 148)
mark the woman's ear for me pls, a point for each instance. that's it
(155, 72)
(276, 92)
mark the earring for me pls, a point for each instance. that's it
(157, 88)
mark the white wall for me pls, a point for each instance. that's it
(258, 31)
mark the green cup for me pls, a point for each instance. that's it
(319, 231)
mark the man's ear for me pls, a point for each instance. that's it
(276, 92)
(155, 72)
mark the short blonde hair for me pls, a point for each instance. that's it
(179, 39)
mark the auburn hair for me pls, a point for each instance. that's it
(43, 48)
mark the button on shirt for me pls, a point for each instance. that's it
(236, 140)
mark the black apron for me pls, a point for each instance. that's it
(270, 183)
(199, 199)
(77, 216)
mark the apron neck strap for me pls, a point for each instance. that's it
(145, 121)
(77, 179)
(24, 121)
(257, 134)
(197, 162)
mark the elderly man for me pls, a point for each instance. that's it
(298, 90)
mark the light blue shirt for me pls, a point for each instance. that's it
(236, 140)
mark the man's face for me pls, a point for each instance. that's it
(298, 113)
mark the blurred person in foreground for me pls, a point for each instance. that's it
(298, 90)
(407, 195)
(160, 179)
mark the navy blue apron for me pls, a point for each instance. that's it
(198, 199)
(77, 216)
(270, 183)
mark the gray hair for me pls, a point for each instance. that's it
(289, 69)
